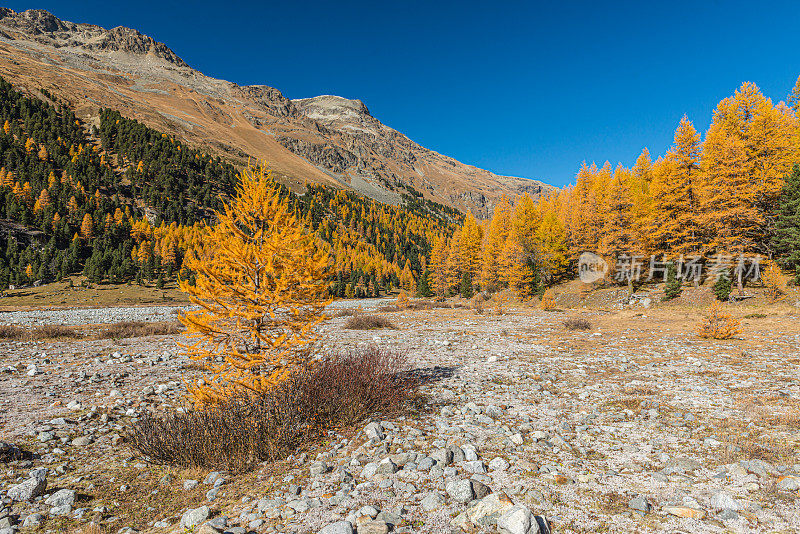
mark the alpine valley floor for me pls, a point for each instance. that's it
(636, 425)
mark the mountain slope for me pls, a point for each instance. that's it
(326, 139)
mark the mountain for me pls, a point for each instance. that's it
(326, 139)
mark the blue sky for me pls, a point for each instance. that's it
(520, 88)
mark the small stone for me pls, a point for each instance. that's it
(443, 457)
(189, 485)
(475, 466)
(81, 441)
(432, 501)
(340, 527)
(373, 527)
(517, 520)
(194, 517)
(499, 464)
(317, 468)
(460, 490)
(639, 503)
(789, 483)
(374, 431)
(723, 501)
(386, 467)
(488, 510)
(33, 520)
(63, 497)
(27, 490)
(480, 489)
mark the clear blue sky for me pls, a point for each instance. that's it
(519, 88)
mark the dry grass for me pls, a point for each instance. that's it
(368, 322)
(247, 429)
(128, 329)
(577, 323)
(47, 332)
(11, 332)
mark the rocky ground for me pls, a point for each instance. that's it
(636, 425)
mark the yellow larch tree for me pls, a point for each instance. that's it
(617, 233)
(641, 198)
(673, 225)
(87, 227)
(551, 247)
(494, 242)
(749, 148)
(407, 278)
(260, 288)
(470, 247)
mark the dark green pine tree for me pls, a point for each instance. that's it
(423, 286)
(674, 285)
(786, 235)
(466, 286)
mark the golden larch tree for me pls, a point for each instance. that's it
(494, 242)
(749, 148)
(87, 227)
(260, 286)
(673, 225)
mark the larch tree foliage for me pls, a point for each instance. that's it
(786, 234)
(525, 223)
(493, 244)
(260, 288)
(673, 227)
(470, 248)
(750, 146)
(617, 233)
(582, 224)
(641, 199)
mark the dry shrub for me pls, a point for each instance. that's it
(718, 324)
(577, 323)
(548, 302)
(127, 329)
(41, 332)
(368, 322)
(11, 332)
(243, 430)
(55, 331)
(477, 304)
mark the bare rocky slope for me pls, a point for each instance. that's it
(326, 139)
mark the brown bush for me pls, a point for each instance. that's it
(11, 332)
(55, 331)
(41, 332)
(126, 329)
(368, 322)
(577, 323)
(244, 430)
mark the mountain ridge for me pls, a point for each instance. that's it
(324, 139)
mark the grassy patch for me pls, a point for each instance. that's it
(577, 323)
(127, 329)
(368, 322)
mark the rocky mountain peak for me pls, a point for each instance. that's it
(45, 28)
(336, 110)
